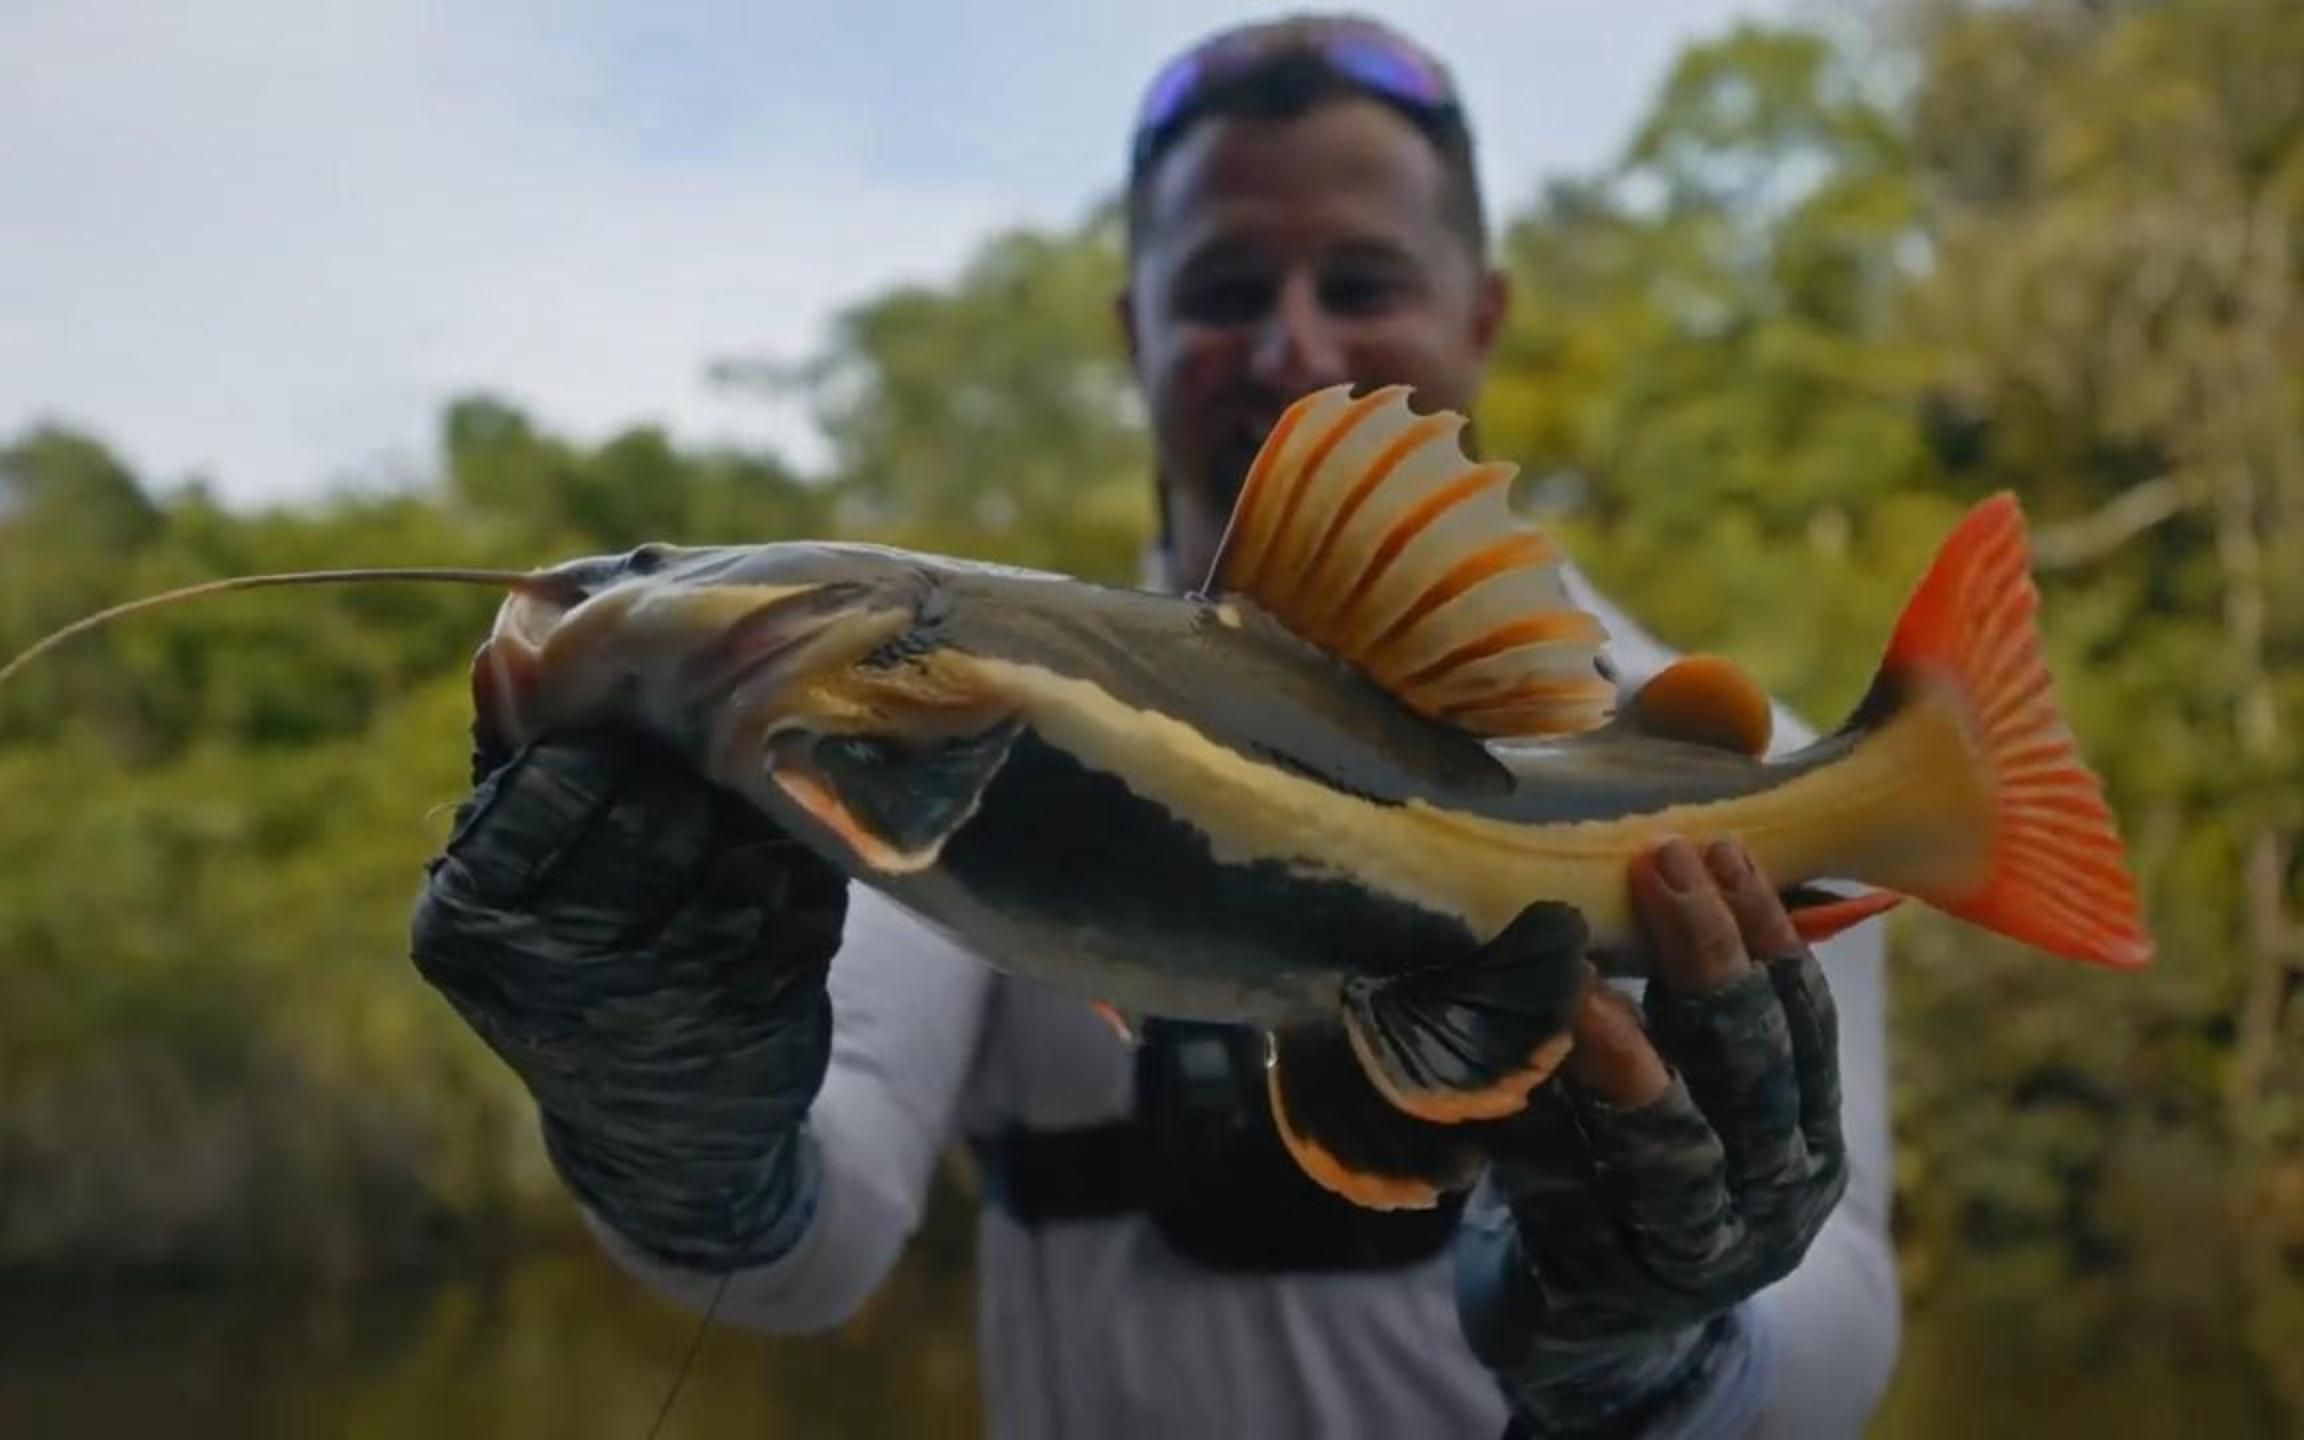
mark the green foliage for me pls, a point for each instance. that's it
(995, 418)
(547, 496)
(213, 1053)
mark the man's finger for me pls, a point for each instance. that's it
(770, 915)
(1569, 1234)
(1542, 1155)
(514, 830)
(637, 862)
(1664, 1173)
(1690, 929)
(1612, 1057)
(1657, 1163)
(1761, 920)
(1734, 1049)
(1813, 1023)
(1809, 1016)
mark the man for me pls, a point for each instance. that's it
(746, 1079)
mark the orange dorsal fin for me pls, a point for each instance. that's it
(1364, 529)
(1704, 700)
(2055, 875)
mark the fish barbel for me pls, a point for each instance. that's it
(1308, 796)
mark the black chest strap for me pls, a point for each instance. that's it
(1200, 1158)
(1041, 1177)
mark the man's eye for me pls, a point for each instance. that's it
(1361, 293)
(1230, 300)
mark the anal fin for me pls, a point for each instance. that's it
(1818, 914)
(1471, 1040)
(1347, 1136)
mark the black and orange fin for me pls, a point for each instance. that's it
(891, 800)
(1347, 1137)
(2050, 868)
(1817, 914)
(1704, 700)
(1469, 1040)
(1111, 1015)
(1363, 529)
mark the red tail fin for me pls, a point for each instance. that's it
(2057, 877)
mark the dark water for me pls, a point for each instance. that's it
(562, 1346)
(567, 1347)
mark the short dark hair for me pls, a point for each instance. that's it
(1289, 84)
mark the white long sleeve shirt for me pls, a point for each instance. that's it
(1095, 1328)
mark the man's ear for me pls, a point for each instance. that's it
(1124, 314)
(1489, 309)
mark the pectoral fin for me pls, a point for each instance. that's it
(892, 800)
(1469, 1041)
(1111, 1015)
(1347, 1136)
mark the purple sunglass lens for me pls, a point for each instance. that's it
(1383, 64)
(1388, 68)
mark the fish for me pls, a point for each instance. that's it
(1309, 794)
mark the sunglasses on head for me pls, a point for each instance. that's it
(1369, 55)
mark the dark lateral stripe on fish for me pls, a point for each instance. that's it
(1087, 852)
(1432, 855)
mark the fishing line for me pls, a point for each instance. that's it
(695, 1344)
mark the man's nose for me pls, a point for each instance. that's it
(1302, 347)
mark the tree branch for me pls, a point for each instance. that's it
(2136, 510)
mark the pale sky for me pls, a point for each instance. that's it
(264, 242)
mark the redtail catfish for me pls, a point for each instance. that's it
(1306, 797)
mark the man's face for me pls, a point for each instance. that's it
(1280, 257)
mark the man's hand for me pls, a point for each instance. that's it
(648, 955)
(1671, 1171)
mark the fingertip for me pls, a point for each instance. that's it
(1692, 932)
(1612, 1055)
(1654, 901)
(1761, 919)
(588, 820)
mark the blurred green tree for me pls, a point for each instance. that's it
(994, 417)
